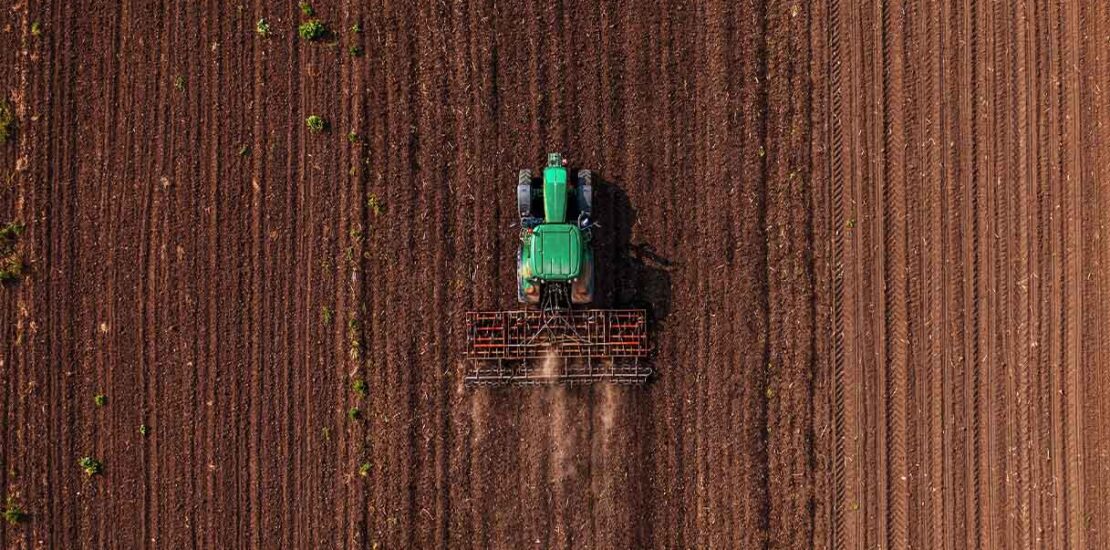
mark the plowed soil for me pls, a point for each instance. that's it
(869, 235)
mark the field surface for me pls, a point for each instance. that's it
(871, 236)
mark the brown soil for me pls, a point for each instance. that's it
(870, 239)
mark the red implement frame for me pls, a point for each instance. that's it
(567, 346)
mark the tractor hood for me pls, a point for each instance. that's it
(555, 194)
(554, 252)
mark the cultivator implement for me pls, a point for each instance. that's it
(551, 346)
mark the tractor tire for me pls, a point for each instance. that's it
(582, 290)
(585, 192)
(524, 193)
(520, 296)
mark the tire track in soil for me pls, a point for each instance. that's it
(1016, 412)
(853, 502)
(936, 138)
(824, 234)
(970, 67)
(1051, 224)
(1094, 382)
(1075, 250)
(895, 336)
(1006, 515)
(913, 176)
(992, 225)
(1042, 228)
(837, 495)
(1024, 75)
(956, 303)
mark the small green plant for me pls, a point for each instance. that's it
(7, 122)
(374, 205)
(36, 29)
(312, 30)
(90, 465)
(355, 51)
(100, 399)
(11, 231)
(179, 83)
(13, 514)
(850, 223)
(262, 28)
(364, 469)
(353, 137)
(245, 150)
(315, 123)
(11, 268)
(326, 315)
(325, 432)
(306, 9)
(144, 430)
(356, 28)
(360, 387)
(354, 413)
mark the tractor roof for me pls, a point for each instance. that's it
(556, 251)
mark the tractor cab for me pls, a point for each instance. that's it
(555, 251)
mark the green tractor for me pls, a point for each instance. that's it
(555, 265)
(556, 338)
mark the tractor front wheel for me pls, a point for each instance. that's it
(524, 193)
(585, 190)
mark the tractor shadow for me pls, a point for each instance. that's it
(629, 274)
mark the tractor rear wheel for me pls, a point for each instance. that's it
(524, 193)
(582, 289)
(585, 191)
(520, 296)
